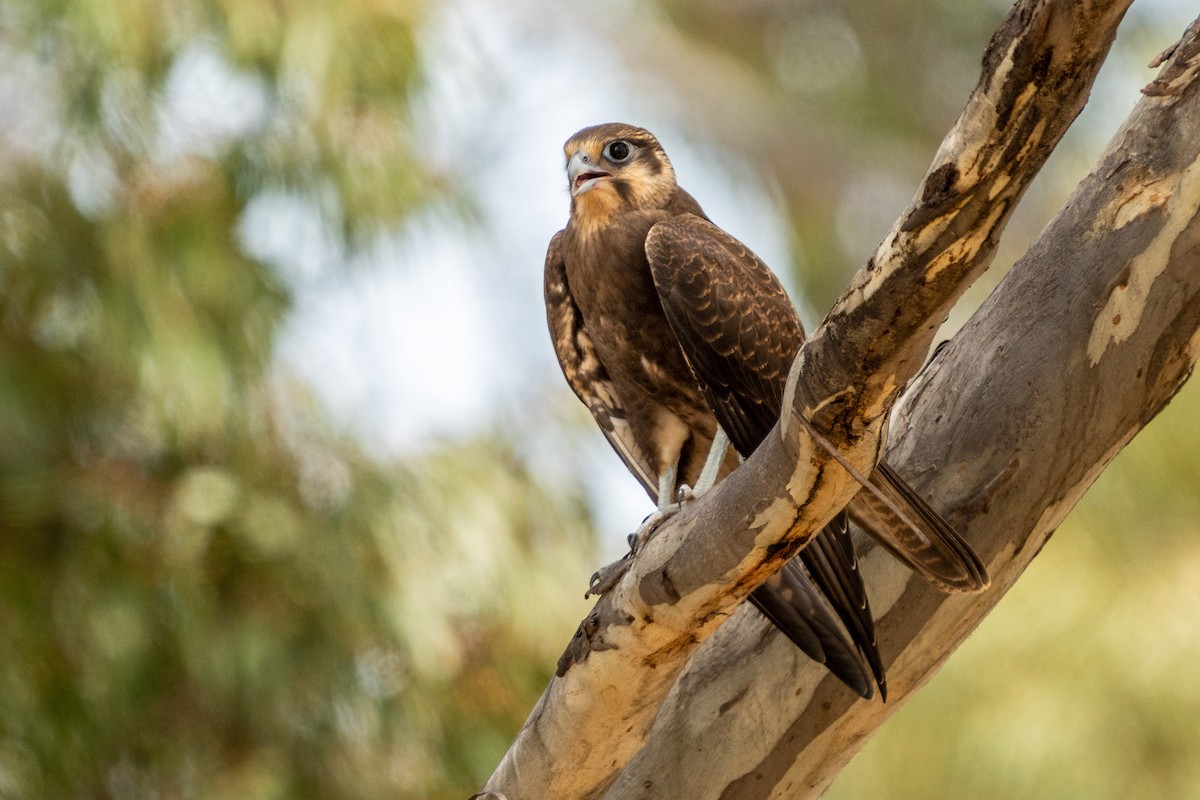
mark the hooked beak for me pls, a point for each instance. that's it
(582, 174)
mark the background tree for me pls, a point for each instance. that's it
(1067, 688)
(1081, 345)
(206, 590)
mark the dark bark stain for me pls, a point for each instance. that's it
(1170, 363)
(1119, 281)
(782, 552)
(760, 781)
(667, 652)
(589, 635)
(731, 702)
(981, 500)
(1041, 67)
(998, 45)
(936, 194)
(668, 586)
(1023, 542)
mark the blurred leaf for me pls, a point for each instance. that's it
(204, 590)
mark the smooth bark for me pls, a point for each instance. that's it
(628, 654)
(1086, 339)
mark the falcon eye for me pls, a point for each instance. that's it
(618, 152)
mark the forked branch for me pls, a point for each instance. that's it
(689, 579)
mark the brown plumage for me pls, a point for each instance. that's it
(666, 326)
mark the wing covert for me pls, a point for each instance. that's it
(733, 319)
(583, 370)
(740, 333)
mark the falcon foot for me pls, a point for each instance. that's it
(604, 579)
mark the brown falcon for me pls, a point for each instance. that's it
(671, 332)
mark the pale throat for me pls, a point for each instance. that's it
(595, 208)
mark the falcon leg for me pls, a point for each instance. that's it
(666, 489)
(605, 578)
(666, 509)
(712, 465)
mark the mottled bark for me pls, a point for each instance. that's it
(1088, 337)
(749, 717)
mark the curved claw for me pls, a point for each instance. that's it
(604, 579)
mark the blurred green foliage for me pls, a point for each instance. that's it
(205, 590)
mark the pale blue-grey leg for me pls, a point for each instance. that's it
(712, 465)
(712, 468)
(605, 578)
(666, 487)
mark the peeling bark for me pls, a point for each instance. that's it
(1005, 430)
(795, 726)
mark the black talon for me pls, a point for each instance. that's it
(605, 578)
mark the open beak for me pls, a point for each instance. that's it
(582, 174)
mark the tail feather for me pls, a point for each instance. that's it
(831, 563)
(795, 606)
(930, 546)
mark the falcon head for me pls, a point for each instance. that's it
(616, 167)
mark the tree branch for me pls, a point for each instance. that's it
(597, 713)
(1087, 338)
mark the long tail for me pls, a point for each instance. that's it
(819, 602)
(794, 605)
(918, 535)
